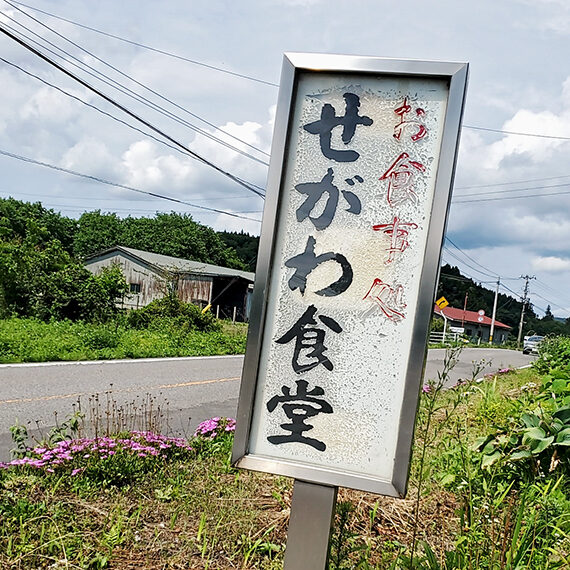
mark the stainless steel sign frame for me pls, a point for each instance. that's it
(402, 120)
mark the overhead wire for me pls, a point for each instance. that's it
(248, 77)
(486, 269)
(543, 195)
(94, 199)
(109, 81)
(130, 78)
(125, 187)
(161, 109)
(127, 111)
(94, 107)
(150, 48)
(513, 182)
(551, 303)
(517, 133)
(514, 190)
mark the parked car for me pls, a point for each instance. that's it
(531, 343)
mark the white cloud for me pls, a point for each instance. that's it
(146, 169)
(551, 264)
(91, 156)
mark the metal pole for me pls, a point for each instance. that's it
(234, 317)
(524, 301)
(310, 523)
(494, 311)
(444, 323)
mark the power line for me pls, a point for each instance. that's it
(465, 263)
(129, 77)
(163, 52)
(514, 190)
(548, 288)
(248, 77)
(471, 259)
(128, 112)
(75, 208)
(550, 302)
(99, 76)
(513, 182)
(94, 107)
(92, 199)
(130, 188)
(543, 195)
(516, 133)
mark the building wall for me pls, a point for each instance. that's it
(148, 285)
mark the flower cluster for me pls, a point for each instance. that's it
(499, 372)
(63, 453)
(214, 427)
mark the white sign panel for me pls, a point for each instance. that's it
(349, 241)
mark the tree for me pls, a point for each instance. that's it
(25, 220)
(96, 232)
(548, 316)
(244, 245)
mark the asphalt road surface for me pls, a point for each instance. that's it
(178, 393)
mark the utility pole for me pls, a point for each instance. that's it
(524, 302)
(494, 311)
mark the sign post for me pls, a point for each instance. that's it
(359, 187)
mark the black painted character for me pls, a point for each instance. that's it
(328, 121)
(316, 190)
(298, 408)
(309, 340)
(305, 262)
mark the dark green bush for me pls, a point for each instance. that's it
(170, 311)
(553, 354)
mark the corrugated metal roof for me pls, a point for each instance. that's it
(176, 264)
(471, 317)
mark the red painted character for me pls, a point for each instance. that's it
(399, 235)
(418, 128)
(388, 299)
(401, 177)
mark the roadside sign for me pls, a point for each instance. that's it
(442, 302)
(357, 198)
(459, 330)
(481, 313)
(480, 319)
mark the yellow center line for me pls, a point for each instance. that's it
(137, 389)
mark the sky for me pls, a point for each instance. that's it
(209, 74)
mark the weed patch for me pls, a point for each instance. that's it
(29, 340)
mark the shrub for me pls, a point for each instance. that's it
(553, 354)
(171, 311)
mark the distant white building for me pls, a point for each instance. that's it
(474, 325)
(150, 275)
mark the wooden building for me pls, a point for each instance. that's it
(151, 275)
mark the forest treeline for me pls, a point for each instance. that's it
(41, 257)
(42, 272)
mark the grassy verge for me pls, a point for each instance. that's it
(29, 340)
(475, 501)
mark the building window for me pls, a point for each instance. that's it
(135, 288)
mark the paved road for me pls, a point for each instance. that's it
(492, 359)
(188, 390)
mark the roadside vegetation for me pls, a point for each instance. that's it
(53, 308)
(489, 489)
(164, 328)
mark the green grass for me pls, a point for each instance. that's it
(29, 340)
(193, 510)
